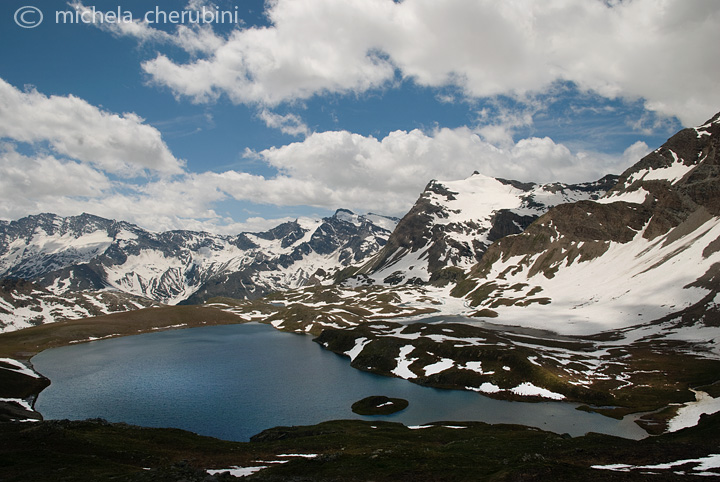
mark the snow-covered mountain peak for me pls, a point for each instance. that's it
(453, 223)
(474, 198)
(347, 216)
(385, 222)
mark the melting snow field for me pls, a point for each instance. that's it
(402, 369)
(359, 345)
(238, 471)
(527, 389)
(630, 284)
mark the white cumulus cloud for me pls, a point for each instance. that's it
(29, 182)
(121, 144)
(341, 169)
(656, 50)
(290, 124)
(61, 154)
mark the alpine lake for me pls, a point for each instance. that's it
(233, 381)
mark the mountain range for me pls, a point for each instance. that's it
(649, 250)
(602, 293)
(85, 265)
(624, 251)
(104, 261)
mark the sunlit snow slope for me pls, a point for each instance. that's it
(649, 249)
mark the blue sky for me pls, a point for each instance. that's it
(306, 106)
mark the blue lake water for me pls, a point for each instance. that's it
(234, 381)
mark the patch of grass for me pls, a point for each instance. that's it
(17, 385)
(481, 293)
(657, 422)
(463, 287)
(23, 344)
(713, 389)
(534, 291)
(529, 301)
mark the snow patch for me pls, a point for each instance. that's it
(702, 468)
(19, 367)
(673, 173)
(441, 366)
(237, 471)
(18, 401)
(402, 369)
(475, 366)
(358, 348)
(637, 197)
(527, 389)
(689, 414)
(486, 387)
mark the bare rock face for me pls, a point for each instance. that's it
(585, 222)
(680, 176)
(679, 179)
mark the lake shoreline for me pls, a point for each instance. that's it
(29, 342)
(23, 345)
(385, 450)
(260, 354)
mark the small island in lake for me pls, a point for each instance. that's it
(379, 405)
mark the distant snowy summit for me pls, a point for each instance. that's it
(83, 254)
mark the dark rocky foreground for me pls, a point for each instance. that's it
(344, 451)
